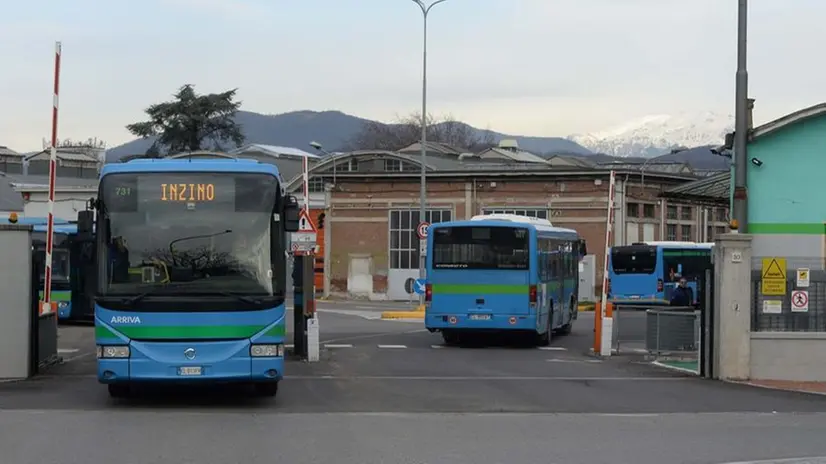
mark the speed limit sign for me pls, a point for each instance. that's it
(421, 230)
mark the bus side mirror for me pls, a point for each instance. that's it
(291, 213)
(583, 249)
(85, 225)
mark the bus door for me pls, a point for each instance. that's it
(633, 274)
(481, 271)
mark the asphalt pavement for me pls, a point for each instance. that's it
(389, 391)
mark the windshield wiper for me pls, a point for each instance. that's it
(136, 298)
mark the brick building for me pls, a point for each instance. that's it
(372, 210)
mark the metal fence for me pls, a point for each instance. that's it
(790, 301)
(661, 331)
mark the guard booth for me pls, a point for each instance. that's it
(28, 337)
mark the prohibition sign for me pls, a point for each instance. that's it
(421, 230)
(800, 300)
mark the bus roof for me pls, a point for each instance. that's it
(34, 221)
(237, 165)
(674, 244)
(58, 229)
(508, 220)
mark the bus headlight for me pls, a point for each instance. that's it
(266, 351)
(113, 352)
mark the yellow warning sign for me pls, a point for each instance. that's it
(773, 274)
(774, 268)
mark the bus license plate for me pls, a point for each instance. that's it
(189, 370)
(479, 317)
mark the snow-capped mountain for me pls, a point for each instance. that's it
(655, 135)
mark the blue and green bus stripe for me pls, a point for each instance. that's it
(59, 295)
(491, 289)
(190, 332)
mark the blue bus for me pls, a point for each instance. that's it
(61, 264)
(190, 267)
(646, 273)
(502, 272)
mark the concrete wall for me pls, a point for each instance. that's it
(797, 356)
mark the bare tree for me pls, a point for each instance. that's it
(407, 130)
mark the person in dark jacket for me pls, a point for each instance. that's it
(682, 294)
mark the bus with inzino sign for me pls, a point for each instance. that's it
(190, 266)
(502, 272)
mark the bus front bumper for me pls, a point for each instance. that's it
(201, 362)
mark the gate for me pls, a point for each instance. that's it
(43, 327)
(707, 312)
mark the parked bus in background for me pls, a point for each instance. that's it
(61, 264)
(502, 272)
(646, 273)
(208, 234)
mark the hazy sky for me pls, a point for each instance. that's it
(530, 67)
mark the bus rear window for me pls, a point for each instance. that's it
(634, 260)
(471, 247)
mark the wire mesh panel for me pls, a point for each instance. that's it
(672, 330)
(789, 304)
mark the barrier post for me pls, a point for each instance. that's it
(299, 346)
(606, 313)
(309, 315)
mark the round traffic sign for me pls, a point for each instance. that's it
(421, 230)
(800, 299)
(408, 285)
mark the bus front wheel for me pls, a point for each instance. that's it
(118, 390)
(269, 389)
(450, 337)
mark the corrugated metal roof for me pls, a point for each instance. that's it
(272, 150)
(715, 189)
(63, 155)
(21, 180)
(4, 150)
(515, 155)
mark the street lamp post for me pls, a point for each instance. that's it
(423, 176)
(740, 194)
(332, 156)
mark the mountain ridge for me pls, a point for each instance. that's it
(334, 129)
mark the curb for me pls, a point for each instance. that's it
(767, 387)
(674, 368)
(395, 315)
(585, 307)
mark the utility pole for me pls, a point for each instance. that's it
(741, 124)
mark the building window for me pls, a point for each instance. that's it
(721, 215)
(392, 165)
(685, 213)
(540, 213)
(404, 243)
(709, 233)
(671, 232)
(633, 210)
(350, 165)
(316, 184)
(686, 234)
(648, 211)
(719, 231)
(671, 212)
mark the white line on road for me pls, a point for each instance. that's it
(376, 335)
(67, 350)
(502, 378)
(333, 345)
(437, 347)
(557, 360)
(393, 346)
(552, 348)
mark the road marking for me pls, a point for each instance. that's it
(376, 335)
(393, 346)
(333, 345)
(557, 360)
(437, 347)
(482, 377)
(552, 348)
(67, 350)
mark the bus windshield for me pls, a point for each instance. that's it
(196, 233)
(635, 259)
(480, 247)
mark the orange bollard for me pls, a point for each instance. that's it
(598, 328)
